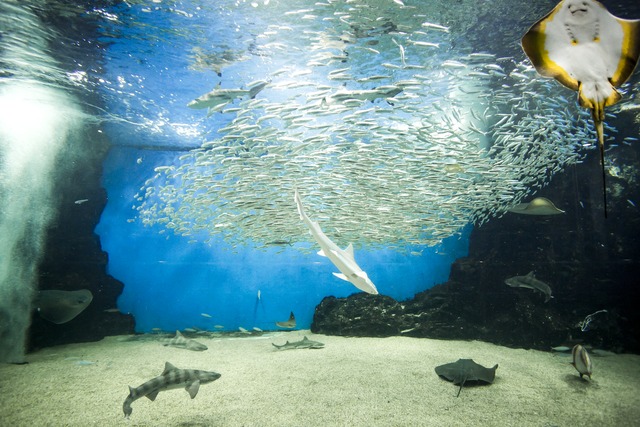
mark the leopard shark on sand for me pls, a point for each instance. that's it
(181, 341)
(171, 378)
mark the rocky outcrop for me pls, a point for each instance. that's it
(74, 258)
(591, 264)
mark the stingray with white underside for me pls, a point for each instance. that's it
(587, 49)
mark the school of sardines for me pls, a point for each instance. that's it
(390, 135)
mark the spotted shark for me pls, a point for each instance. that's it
(303, 343)
(343, 259)
(171, 378)
(181, 342)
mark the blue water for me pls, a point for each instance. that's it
(170, 281)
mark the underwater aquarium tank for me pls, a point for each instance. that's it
(173, 171)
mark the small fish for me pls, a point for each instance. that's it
(207, 315)
(81, 201)
(435, 26)
(561, 348)
(581, 361)
(291, 323)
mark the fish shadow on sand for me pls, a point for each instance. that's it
(579, 385)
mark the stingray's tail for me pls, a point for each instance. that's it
(600, 133)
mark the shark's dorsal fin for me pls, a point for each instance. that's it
(362, 274)
(305, 338)
(531, 274)
(193, 388)
(321, 253)
(341, 276)
(349, 250)
(152, 396)
(168, 367)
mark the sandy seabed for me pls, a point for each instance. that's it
(350, 382)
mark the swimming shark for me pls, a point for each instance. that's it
(530, 281)
(303, 343)
(218, 98)
(363, 95)
(290, 324)
(181, 342)
(343, 259)
(171, 378)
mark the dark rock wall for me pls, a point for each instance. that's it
(73, 257)
(591, 263)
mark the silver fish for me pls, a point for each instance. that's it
(581, 360)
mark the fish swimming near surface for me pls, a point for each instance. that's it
(181, 342)
(303, 343)
(581, 361)
(218, 98)
(587, 49)
(363, 95)
(289, 324)
(343, 259)
(171, 378)
(530, 281)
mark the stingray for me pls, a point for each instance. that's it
(465, 370)
(538, 206)
(61, 306)
(587, 49)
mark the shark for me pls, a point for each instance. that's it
(344, 95)
(218, 98)
(171, 378)
(181, 342)
(290, 324)
(303, 343)
(530, 281)
(343, 259)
